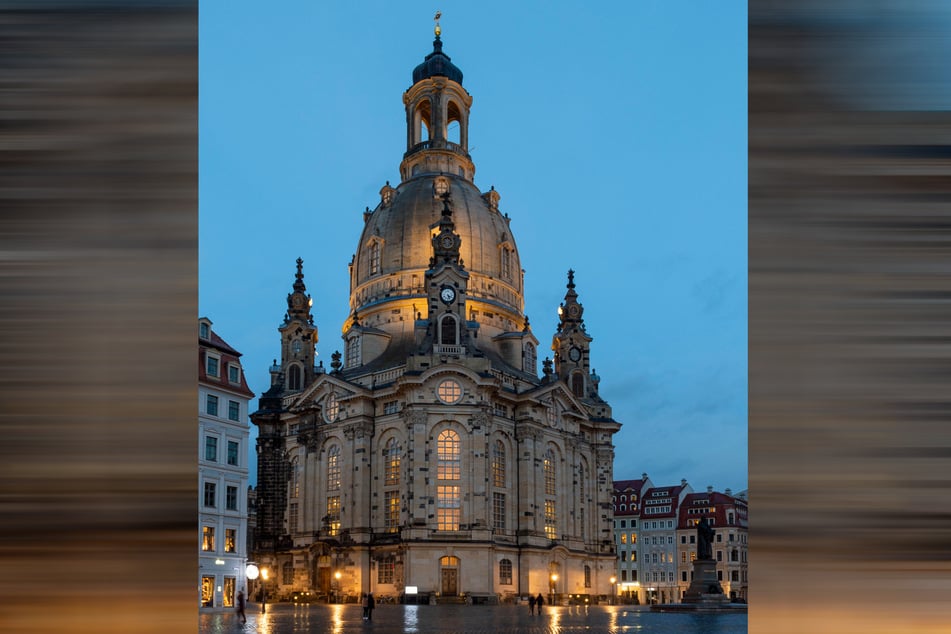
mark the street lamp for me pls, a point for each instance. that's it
(337, 589)
(264, 574)
(554, 578)
(251, 572)
(613, 589)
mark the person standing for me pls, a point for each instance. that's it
(531, 604)
(240, 602)
(366, 606)
(540, 601)
(370, 605)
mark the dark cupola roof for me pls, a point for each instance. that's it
(437, 63)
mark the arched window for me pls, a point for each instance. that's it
(353, 352)
(551, 492)
(293, 377)
(448, 452)
(333, 468)
(391, 460)
(498, 464)
(423, 119)
(374, 258)
(506, 263)
(587, 576)
(447, 331)
(577, 384)
(530, 358)
(453, 123)
(505, 572)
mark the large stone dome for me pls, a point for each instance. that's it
(396, 246)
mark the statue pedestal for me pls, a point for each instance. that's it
(705, 588)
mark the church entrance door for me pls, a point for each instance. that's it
(449, 582)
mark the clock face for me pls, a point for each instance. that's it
(447, 241)
(298, 300)
(573, 310)
(574, 354)
(447, 295)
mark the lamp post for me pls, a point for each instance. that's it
(337, 587)
(264, 574)
(613, 590)
(251, 572)
(554, 578)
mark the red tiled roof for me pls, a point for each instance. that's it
(227, 355)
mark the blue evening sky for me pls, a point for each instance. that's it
(615, 133)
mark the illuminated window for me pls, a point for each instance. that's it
(295, 480)
(231, 540)
(208, 538)
(623, 538)
(505, 572)
(498, 511)
(550, 519)
(447, 453)
(448, 508)
(331, 408)
(385, 569)
(683, 556)
(550, 488)
(333, 514)
(333, 468)
(498, 464)
(391, 462)
(211, 449)
(391, 511)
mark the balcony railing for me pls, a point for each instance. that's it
(437, 145)
(441, 348)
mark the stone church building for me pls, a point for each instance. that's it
(434, 455)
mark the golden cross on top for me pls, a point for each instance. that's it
(436, 20)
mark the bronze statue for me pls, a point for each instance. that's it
(705, 535)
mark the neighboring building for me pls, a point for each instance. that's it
(626, 499)
(431, 454)
(223, 398)
(730, 518)
(656, 543)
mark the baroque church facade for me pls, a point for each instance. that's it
(432, 455)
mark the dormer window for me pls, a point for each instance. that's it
(353, 352)
(211, 367)
(234, 374)
(203, 330)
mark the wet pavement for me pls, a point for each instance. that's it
(467, 619)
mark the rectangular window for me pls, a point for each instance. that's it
(233, 375)
(683, 539)
(391, 407)
(623, 524)
(228, 595)
(587, 576)
(385, 569)
(203, 331)
(333, 514)
(719, 537)
(211, 449)
(498, 511)
(211, 405)
(719, 575)
(505, 572)
(550, 520)
(208, 538)
(232, 452)
(683, 575)
(670, 539)
(654, 557)
(623, 538)
(231, 498)
(734, 575)
(624, 575)
(391, 511)
(670, 576)
(211, 369)
(633, 538)
(231, 540)
(623, 555)
(234, 411)
(448, 510)
(719, 555)
(634, 556)
(730, 537)
(633, 523)
(292, 517)
(210, 494)
(683, 556)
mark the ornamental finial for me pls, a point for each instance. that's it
(437, 30)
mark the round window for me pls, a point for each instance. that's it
(449, 391)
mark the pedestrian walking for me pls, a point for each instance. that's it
(370, 605)
(540, 601)
(244, 619)
(531, 604)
